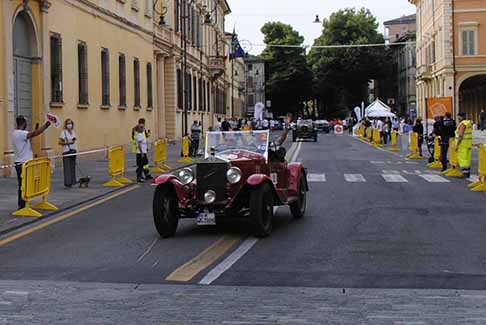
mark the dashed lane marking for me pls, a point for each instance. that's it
(354, 178)
(392, 178)
(434, 178)
(316, 178)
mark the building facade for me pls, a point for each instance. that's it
(255, 83)
(451, 53)
(403, 30)
(107, 63)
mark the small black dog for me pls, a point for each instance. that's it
(84, 181)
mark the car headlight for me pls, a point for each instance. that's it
(233, 175)
(210, 196)
(186, 176)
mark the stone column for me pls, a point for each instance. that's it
(161, 120)
(44, 73)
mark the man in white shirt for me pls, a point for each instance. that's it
(142, 159)
(23, 149)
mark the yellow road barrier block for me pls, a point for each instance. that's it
(377, 138)
(454, 170)
(414, 147)
(116, 167)
(36, 183)
(436, 164)
(185, 151)
(480, 186)
(394, 138)
(160, 157)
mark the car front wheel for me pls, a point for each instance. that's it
(165, 211)
(261, 210)
(298, 207)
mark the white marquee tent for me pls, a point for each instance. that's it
(378, 109)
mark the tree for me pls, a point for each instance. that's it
(341, 75)
(289, 78)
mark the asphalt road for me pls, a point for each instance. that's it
(374, 220)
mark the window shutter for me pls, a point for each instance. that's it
(149, 86)
(56, 68)
(136, 76)
(83, 73)
(122, 80)
(105, 77)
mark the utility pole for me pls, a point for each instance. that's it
(184, 67)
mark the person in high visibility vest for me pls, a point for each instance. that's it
(464, 144)
(145, 134)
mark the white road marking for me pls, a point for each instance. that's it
(16, 293)
(377, 162)
(148, 250)
(391, 171)
(413, 172)
(431, 178)
(391, 178)
(228, 262)
(354, 178)
(316, 178)
(296, 153)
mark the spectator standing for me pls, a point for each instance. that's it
(385, 132)
(21, 141)
(225, 126)
(142, 159)
(68, 139)
(195, 138)
(482, 120)
(446, 132)
(419, 129)
(379, 126)
(217, 126)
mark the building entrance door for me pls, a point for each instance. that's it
(22, 70)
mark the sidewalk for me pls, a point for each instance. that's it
(63, 198)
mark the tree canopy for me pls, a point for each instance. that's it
(289, 77)
(341, 75)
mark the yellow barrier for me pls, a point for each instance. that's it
(160, 157)
(185, 151)
(36, 182)
(394, 137)
(116, 167)
(377, 138)
(454, 170)
(414, 147)
(369, 134)
(436, 164)
(480, 185)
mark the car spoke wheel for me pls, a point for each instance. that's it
(165, 211)
(261, 210)
(298, 207)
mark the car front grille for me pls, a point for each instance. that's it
(211, 176)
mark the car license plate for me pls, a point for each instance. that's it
(206, 219)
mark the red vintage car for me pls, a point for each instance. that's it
(237, 180)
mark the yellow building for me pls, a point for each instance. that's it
(451, 53)
(107, 63)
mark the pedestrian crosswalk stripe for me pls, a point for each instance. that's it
(389, 171)
(354, 178)
(392, 178)
(431, 178)
(316, 178)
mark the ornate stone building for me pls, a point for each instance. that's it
(451, 53)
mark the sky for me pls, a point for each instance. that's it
(248, 16)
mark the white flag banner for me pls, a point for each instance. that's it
(55, 121)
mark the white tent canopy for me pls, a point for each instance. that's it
(378, 109)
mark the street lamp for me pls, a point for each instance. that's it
(317, 20)
(160, 9)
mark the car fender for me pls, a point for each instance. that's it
(296, 172)
(173, 181)
(259, 179)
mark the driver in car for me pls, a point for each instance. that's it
(277, 153)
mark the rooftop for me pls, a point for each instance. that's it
(410, 19)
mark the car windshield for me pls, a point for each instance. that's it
(237, 145)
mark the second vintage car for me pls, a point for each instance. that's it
(240, 178)
(304, 129)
